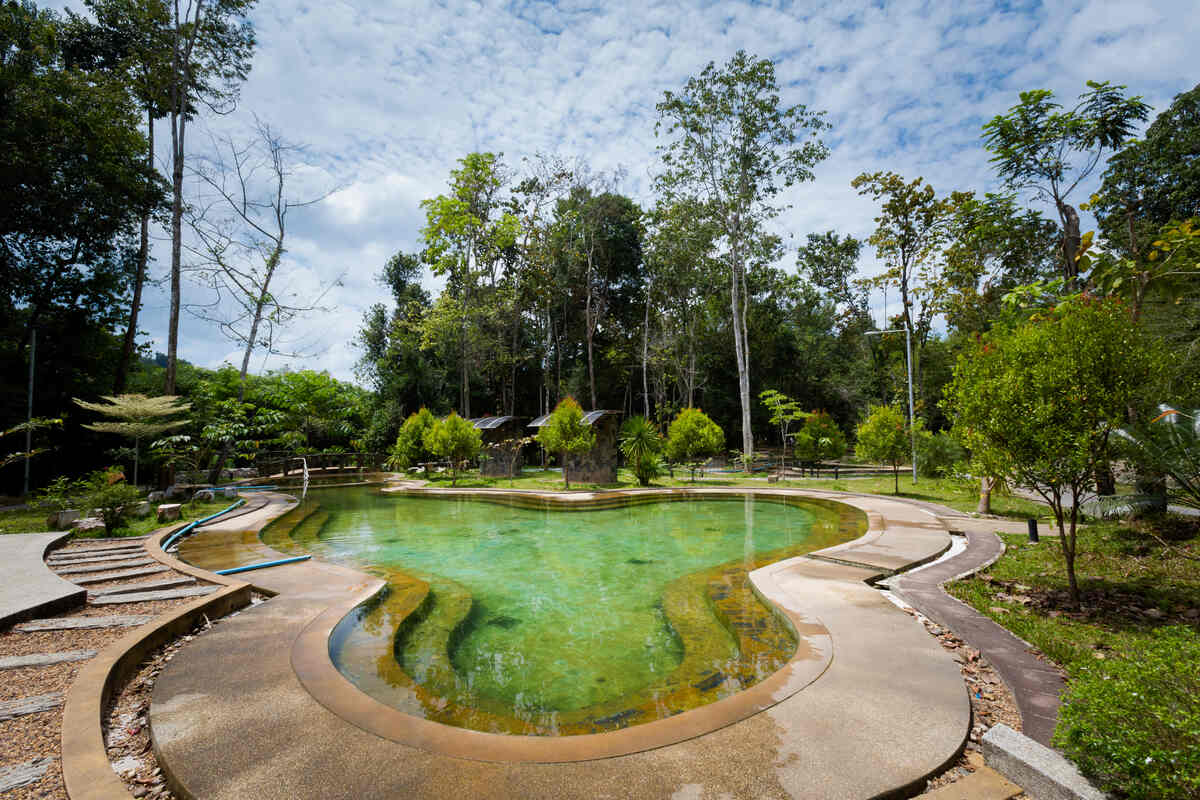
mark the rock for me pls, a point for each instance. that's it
(168, 512)
(1153, 613)
(142, 509)
(156, 497)
(176, 492)
(88, 525)
(61, 520)
(203, 496)
(229, 492)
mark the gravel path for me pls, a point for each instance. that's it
(35, 738)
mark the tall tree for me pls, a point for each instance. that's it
(830, 262)
(129, 37)
(239, 219)
(909, 234)
(1042, 150)
(466, 234)
(735, 148)
(211, 42)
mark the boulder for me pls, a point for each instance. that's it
(88, 525)
(142, 509)
(176, 492)
(203, 496)
(229, 492)
(156, 497)
(61, 520)
(168, 512)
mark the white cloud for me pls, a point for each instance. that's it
(388, 95)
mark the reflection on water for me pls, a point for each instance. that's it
(504, 617)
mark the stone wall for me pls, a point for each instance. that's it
(598, 465)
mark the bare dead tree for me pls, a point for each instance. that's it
(239, 223)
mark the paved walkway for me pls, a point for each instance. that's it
(1035, 684)
(231, 718)
(27, 586)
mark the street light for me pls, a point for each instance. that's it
(908, 359)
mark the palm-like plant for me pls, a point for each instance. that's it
(642, 445)
(1170, 445)
(137, 417)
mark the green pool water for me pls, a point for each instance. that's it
(518, 617)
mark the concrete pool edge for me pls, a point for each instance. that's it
(892, 538)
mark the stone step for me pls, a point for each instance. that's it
(11, 709)
(80, 549)
(82, 623)
(44, 659)
(982, 784)
(81, 570)
(87, 555)
(83, 559)
(145, 597)
(144, 586)
(15, 776)
(100, 577)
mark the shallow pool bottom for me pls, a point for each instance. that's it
(518, 617)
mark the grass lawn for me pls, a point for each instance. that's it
(1131, 584)
(1131, 713)
(955, 494)
(35, 521)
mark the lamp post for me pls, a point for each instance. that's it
(908, 360)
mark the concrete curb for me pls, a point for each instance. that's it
(87, 772)
(1042, 772)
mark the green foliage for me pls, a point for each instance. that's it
(410, 446)
(1170, 445)
(455, 439)
(107, 491)
(565, 432)
(693, 438)
(884, 439)
(820, 439)
(1041, 400)
(137, 417)
(938, 454)
(1132, 723)
(642, 446)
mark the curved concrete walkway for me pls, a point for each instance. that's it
(1035, 684)
(230, 719)
(28, 588)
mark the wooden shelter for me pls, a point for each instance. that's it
(598, 465)
(501, 456)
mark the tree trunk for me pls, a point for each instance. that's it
(139, 278)
(737, 289)
(986, 484)
(178, 129)
(1070, 243)
(645, 356)
(896, 477)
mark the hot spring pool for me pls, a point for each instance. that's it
(515, 615)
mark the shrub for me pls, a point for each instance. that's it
(565, 432)
(938, 454)
(883, 438)
(692, 438)
(1132, 724)
(642, 444)
(410, 443)
(820, 439)
(107, 491)
(454, 439)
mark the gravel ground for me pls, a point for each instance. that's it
(37, 735)
(991, 701)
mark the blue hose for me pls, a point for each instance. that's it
(171, 539)
(261, 564)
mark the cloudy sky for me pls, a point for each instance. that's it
(387, 95)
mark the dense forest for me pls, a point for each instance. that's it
(556, 283)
